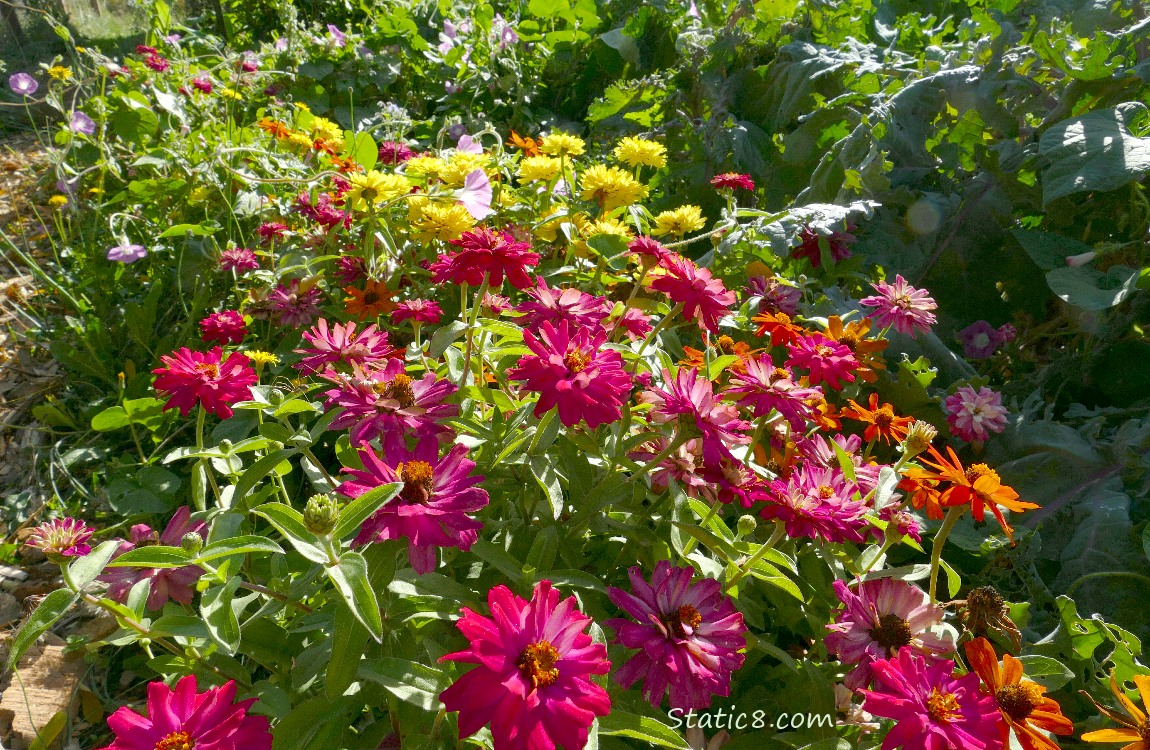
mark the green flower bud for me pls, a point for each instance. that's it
(275, 397)
(918, 438)
(192, 542)
(747, 525)
(321, 514)
(226, 446)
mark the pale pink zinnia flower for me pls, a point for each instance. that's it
(532, 675)
(688, 635)
(973, 415)
(65, 537)
(205, 378)
(902, 307)
(694, 398)
(341, 343)
(166, 583)
(882, 616)
(934, 710)
(183, 718)
(433, 508)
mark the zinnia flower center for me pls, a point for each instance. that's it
(903, 302)
(176, 741)
(884, 417)
(726, 344)
(975, 471)
(892, 632)
(397, 389)
(684, 617)
(824, 351)
(942, 707)
(1019, 700)
(537, 664)
(209, 369)
(849, 340)
(416, 477)
(370, 297)
(826, 493)
(576, 360)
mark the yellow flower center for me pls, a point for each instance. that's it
(537, 664)
(976, 471)
(726, 344)
(826, 493)
(1020, 700)
(892, 632)
(884, 417)
(209, 369)
(398, 389)
(176, 741)
(576, 361)
(942, 707)
(824, 351)
(416, 477)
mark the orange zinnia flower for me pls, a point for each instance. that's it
(726, 345)
(1023, 703)
(274, 127)
(370, 302)
(881, 421)
(779, 325)
(529, 146)
(978, 484)
(345, 165)
(824, 414)
(1135, 727)
(780, 463)
(853, 337)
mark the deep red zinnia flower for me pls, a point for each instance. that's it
(575, 373)
(394, 152)
(238, 259)
(486, 253)
(703, 297)
(157, 63)
(810, 248)
(532, 679)
(202, 84)
(201, 377)
(349, 269)
(688, 635)
(272, 230)
(432, 510)
(226, 327)
(732, 180)
(183, 718)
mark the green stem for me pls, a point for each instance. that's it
(206, 463)
(948, 523)
(690, 545)
(767, 546)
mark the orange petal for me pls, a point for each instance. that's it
(1128, 704)
(1011, 670)
(983, 661)
(1111, 735)
(1143, 683)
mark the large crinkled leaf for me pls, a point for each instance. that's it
(1091, 289)
(1093, 152)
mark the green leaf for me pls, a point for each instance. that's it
(350, 578)
(149, 489)
(545, 475)
(410, 682)
(1093, 152)
(1089, 288)
(499, 558)
(83, 570)
(153, 557)
(257, 471)
(289, 522)
(196, 230)
(112, 418)
(651, 731)
(1050, 673)
(238, 545)
(220, 616)
(348, 639)
(362, 148)
(51, 609)
(352, 515)
(1048, 250)
(953, 580)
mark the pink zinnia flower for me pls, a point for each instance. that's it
(693, 398)
(432, 510)
(703, 297)
(827, 360)
(682, 465)
(554, 305)
(184, 718)
(323, 211)
(809, 247)
(201, 377)
(633, 322)
(419, 310)
(817, 451)
(973, 415)
(729, 480)
(768, 388)
(394, 152)
(732, 180)
(157, 63)
(575, 373)
(293, 305)
(387, 403)
(934, 709)
(902, 307)
(350, 269)
(166, 583)
(495, 304)
(341, 343)
(979, 340)
(818, 504)
(882, 616)
(238, 259)
(226, 327)
(202, 84)
(774, 296)
(272, 230)
(532, 679)
(484, 252)
(64, 537)
(689, 636)
(648, 247)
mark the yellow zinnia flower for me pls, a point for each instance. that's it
(637, 151)
(261, 359)
(611, 187)
(538, 168)
(424, 166)
(300, 142)
(375, 187)
(60, 73)
(558, 143)
(440, 222)
(321, 127)
(459, 166)
(58, 201)
(680, 221)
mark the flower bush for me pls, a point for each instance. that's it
(536, 439)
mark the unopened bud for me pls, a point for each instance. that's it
(275, 397)
(321, 514)
(192, 542)
(919, 438)
(747, 525)
(226, 446)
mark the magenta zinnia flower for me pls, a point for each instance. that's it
(238, 259)
(979, 340)
(693, 398)
(201, 377)
(225, 327)
(819, 504)
(341, 343)
(575, 373)
(809, 247)
(65, 537)
(394, 152)
(827, 360)
(419, 310)
(774, 296)
(386, 402)
(902, 307)
(934, 709)
(882, 616)
(689, 636)
(732, 180)
(166, 583)
(272, 230)
(703, 297)
(484, 252)
(768, 388)
(293, 304)
(553, 305)
(973, 415)
(532, 679)
(183, 719)
(432, 510)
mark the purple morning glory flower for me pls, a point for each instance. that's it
(23, 84)
(467, 145)
(127, 253)
(81, 123)
(337, 35)
(979, 340)
(458, 130)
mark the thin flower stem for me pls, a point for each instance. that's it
(767, 546)
(657, 329)
(471, 320)
(205, 463)
(690, 545)
(948, 523)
